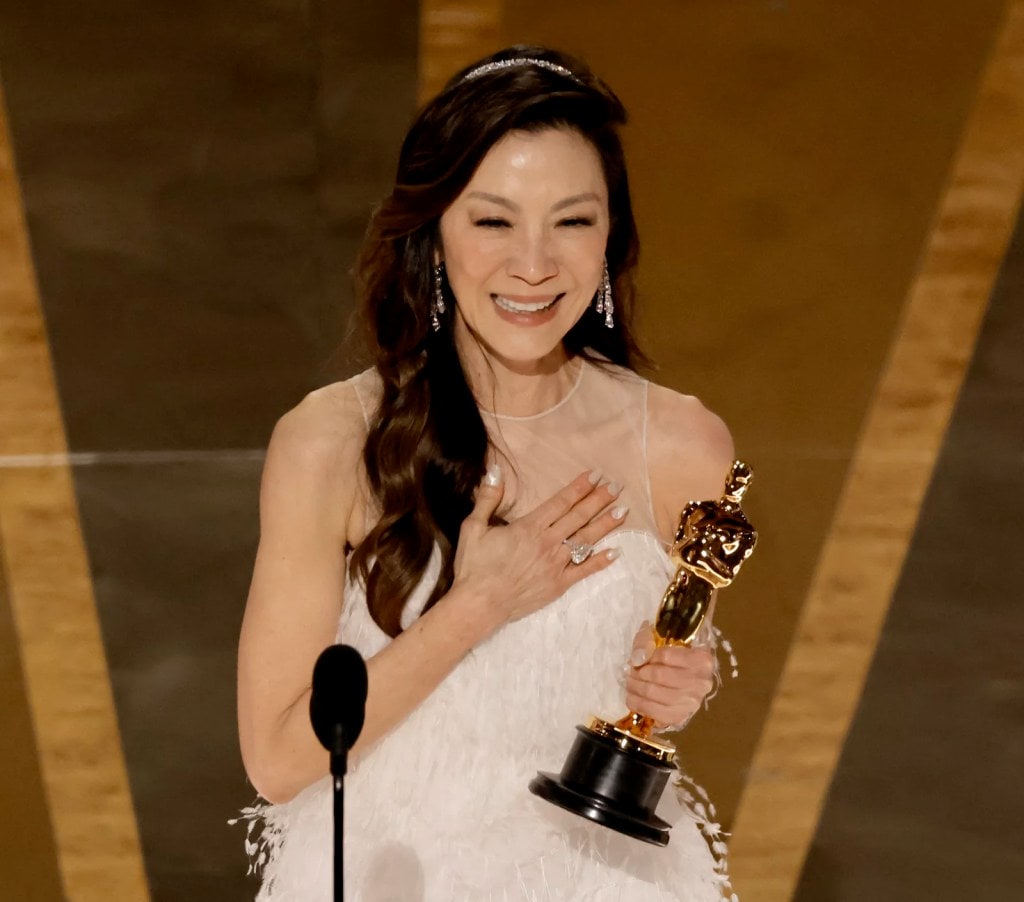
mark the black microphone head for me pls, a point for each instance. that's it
(338, 696)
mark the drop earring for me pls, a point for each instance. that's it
(437, 307)
(603, 303)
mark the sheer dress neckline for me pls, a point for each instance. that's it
(548, 410)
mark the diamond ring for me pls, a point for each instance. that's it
(578, 551)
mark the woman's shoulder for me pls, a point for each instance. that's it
(686, 415)
(313, 478)
(689, 449)
(325, 432)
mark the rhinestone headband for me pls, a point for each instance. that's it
(515, 63)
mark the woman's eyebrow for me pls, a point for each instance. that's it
(575, 199)
(514, 207)
(494, 199)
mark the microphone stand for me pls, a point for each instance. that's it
(337, 707)
(339, 765)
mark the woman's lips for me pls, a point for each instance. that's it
(529, 306)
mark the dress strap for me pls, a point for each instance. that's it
(367, 387)
(648, 493)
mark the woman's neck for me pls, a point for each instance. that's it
(514, 388)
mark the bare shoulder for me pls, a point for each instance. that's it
(322, 427)
(689, 452)
(314, 456)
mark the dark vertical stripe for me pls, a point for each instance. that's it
(171, 550)
(926, 803)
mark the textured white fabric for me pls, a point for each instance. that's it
(439, 809)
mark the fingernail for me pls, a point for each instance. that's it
(638, 657)
(619, 512)
(493, 475)
(611, 554)
(594, 477)
(614, 488)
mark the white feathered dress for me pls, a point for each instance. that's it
(438, 810)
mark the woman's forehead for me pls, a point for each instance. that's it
(544, 163)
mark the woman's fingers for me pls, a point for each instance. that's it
(671, 686)
(563, 501)
(673, 665)
(574, 514)
(584, 520)
(598, 527)
(488, 496)
(595, 563)
(528, 563)
(643, 645)
(664, 716)
(669, 695)
(664, 705)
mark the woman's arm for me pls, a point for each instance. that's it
(689, 453)
(310, 507)
(306, 509)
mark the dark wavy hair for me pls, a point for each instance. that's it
(425, 452)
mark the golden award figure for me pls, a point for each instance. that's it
(615, 772)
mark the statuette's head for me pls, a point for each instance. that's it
(737, 482)
(714, 538)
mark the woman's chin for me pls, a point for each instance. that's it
(529, 346)
(526, 349)
(528, 356)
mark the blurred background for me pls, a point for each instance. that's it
(828, 198)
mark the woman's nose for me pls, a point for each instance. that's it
(533, 260)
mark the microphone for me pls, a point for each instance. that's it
(337, 702)
(337, 707)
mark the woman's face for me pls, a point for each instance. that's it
(524, 244)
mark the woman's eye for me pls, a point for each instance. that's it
(577, 221)
(492, 222)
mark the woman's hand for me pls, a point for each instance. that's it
(519, 568)
(670, 683)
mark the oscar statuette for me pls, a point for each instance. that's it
(615, 772)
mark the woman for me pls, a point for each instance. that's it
(484, 515)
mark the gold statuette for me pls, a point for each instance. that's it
(616, 771)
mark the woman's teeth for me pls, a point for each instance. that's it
(518, 307)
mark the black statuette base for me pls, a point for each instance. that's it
(616, 788)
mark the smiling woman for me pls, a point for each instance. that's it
(523, 246)
(503, 485)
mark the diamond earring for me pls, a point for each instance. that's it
(437, 304)
(604, 303)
